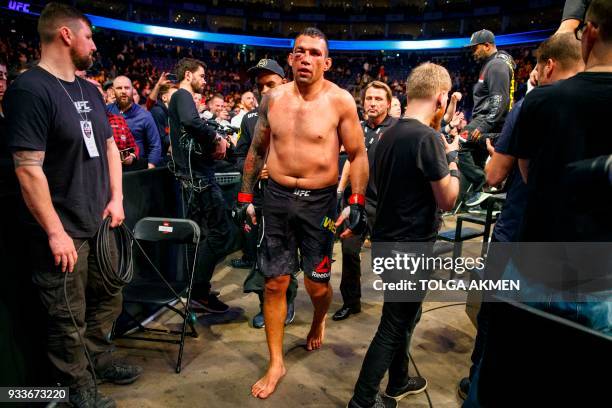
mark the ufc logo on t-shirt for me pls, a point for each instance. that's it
(82, 106)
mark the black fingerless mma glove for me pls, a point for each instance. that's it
(239, 212)
(357, 220)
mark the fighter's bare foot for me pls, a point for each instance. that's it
(267, 384)
(314, 340)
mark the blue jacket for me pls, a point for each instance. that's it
(143, 127)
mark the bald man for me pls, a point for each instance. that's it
(139, 120)
(248, 102)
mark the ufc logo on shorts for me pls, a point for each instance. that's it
(301, 193)
(82, 106)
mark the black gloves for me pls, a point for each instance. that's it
(357, 220)
(239, 212)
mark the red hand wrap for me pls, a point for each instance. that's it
(245, 198)
(357, 199)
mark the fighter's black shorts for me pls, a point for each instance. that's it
(297, 219)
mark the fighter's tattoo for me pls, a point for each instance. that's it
(28, 158)
(254, 162)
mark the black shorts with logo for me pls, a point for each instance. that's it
(297, 219)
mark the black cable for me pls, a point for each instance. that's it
(443, 306)
(410, 355)
(114, 279)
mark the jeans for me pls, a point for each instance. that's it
(209, 211)
(388, 351)
(471, 165)
(94, 310)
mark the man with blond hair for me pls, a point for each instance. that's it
(416, 176)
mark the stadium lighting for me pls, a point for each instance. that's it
(337, 45)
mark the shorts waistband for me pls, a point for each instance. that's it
(302, 192)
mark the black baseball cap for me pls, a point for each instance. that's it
(481, 37)
(267, 65)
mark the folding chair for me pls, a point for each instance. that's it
(161, 292)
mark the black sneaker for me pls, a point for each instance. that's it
(86, 397)
(241, 263)
(414, 385)
(381, 401)
(464, 387)
(211, 304)
(119, 373)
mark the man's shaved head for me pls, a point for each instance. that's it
(121, 80)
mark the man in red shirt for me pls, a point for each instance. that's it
(125, 142)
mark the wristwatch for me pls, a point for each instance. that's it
(454, 173)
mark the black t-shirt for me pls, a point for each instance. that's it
(186, 125)
(372, 136)
(408, 157)
(41, 117)
(558, 125)
(245, 137)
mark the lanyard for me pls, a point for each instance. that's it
(84, 118)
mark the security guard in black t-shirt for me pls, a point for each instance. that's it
(377, 102)
(267, 74)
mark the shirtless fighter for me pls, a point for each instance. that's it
(300, 128)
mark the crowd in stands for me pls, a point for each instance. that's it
(144, 60)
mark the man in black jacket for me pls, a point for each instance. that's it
(493, 96)
(195, 147)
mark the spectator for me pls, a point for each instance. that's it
(159, 111)
(141, 123)
(128, 149)
(248, 103)
(396, 108)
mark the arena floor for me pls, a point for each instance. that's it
(220, 365)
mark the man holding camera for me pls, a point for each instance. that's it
(195, 147)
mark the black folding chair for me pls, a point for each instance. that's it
(160, 292)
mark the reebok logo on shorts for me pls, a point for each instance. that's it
(323, 269)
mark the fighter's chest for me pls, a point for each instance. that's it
(313, 121)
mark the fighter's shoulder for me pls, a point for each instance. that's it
(341, 97)
(273, 95)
